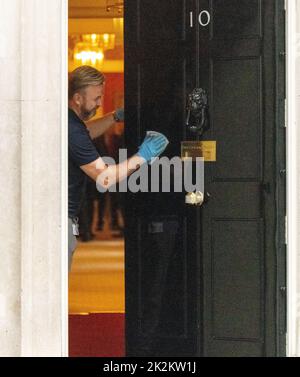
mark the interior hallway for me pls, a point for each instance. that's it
(96, 283)
(97, 297)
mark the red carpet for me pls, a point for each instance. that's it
(97, 335)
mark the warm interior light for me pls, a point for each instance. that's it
(91, 49)
(101, 50)
(92, 57)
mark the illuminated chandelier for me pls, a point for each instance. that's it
(91, 49)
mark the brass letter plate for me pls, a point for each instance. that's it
(205, 149)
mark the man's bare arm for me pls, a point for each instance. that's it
(106, 175)
(98, 127)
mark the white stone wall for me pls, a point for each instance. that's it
(42, 99)
(10, 188)
(32, 312)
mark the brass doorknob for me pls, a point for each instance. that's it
(194, 198)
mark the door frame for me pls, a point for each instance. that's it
(292, 201)
(280, 174)
(293, 168)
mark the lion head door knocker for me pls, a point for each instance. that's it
(197, 119)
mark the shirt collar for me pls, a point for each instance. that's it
(74, 115)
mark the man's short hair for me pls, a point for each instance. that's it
(83, 77)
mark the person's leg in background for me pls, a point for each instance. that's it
(86, 213)
(115, 207)
(102, 200)
(121, 198)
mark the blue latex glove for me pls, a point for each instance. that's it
(119, 115)
(152, 147)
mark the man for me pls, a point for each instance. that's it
(85, 97)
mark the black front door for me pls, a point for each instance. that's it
(204, 280)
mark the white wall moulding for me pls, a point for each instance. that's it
(64, 181)
(43, 37)
(10, 188)
(33, 209)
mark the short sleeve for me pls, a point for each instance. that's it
(81, 147)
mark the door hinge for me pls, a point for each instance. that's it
(285, 4)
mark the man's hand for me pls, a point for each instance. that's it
(119, 115)
(152, 147)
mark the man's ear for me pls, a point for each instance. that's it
(77, 99)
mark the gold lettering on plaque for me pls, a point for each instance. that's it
(205, 149)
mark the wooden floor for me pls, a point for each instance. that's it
(96, 281)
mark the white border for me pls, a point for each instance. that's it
(292, 186)
(64, 180)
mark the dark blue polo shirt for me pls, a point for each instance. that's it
(81, 152)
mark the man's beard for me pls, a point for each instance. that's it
(87, 114)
